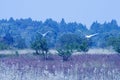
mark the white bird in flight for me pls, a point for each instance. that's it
(89, 36)
(44, 34)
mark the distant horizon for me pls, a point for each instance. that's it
(67, 21)
(83, 11)
(60, 21)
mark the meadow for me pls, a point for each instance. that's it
(78, 67)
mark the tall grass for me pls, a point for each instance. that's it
(83, 67)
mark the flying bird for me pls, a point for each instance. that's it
(92, 35)
(88, 36)
(44, 34)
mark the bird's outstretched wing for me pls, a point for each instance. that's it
(89, 36)
(44, 34)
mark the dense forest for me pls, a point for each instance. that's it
(21, 33)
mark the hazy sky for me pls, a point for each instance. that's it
(84, 11)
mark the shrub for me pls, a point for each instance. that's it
(64, 53)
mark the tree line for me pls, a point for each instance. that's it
(65, 37)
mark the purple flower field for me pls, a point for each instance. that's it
(79, 67)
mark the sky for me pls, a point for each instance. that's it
(82, 11)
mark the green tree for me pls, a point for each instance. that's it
(115, 43)
(69, 43)
(73, 42)
(40, 46)
(84, 47)
(8, 39)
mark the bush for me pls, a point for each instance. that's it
(64, 53)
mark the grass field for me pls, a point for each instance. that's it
(79, 67)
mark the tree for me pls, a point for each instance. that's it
(84, 47)
(115, 43)
(74, 42)
(3, 46)
(40, 46)
(69, 43)
(8, 39)
(66, 46)
(19, 42)
(95, 27)
(44, 48)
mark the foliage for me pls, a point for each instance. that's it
(64, 53)
(69, 43)
(19, 43)
(40, 46)
(28, 28)
(3, 46)
(115, 43)
(84, 46)
(74, 42)
(8, 39)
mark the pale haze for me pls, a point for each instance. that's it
(82, 11)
